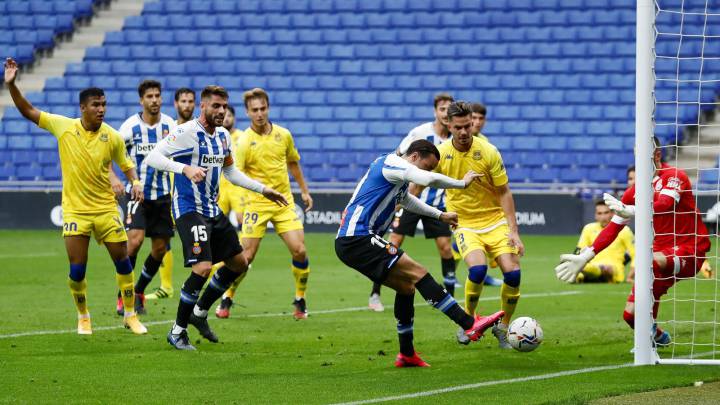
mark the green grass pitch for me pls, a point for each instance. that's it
(341, 353)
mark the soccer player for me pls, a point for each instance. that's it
(184, 108)
(359, 243)
(202, 149)
(609, 265)
(487, 229)
(405, 223)
(479, 111)
(681, 238)
(231, 199)
(87, 146)
(151, 217)
(267, 153)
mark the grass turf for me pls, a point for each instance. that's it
(267, 357)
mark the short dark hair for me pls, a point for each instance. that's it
(183, 90)
(146, 85)
(458, 109)
(214, 90)
(90, 92)
(257, 92)
(424, 147)
(231, 109)
(630, 169)
(600, 202)
(478, 108)
(442, 97)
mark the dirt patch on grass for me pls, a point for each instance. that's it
(708, 393)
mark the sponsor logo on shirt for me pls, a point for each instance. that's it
(144, 148)
(212, 160)
(448, 157)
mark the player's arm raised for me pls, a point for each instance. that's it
(508, 205)
(425, 178)
(415, 205)
(21, 103)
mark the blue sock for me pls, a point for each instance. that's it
(477, 274)
(77, 272)
(512, 278)
(123, 266)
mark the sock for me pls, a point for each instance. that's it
(474, 286)
(376, 288)
(78, 287)
(188, 297)
(166, 270)
(133, 260)
(216, 287)
(125, 281)
(230, 293)
(509, 294)
(448, 272)
(300, 271)
(150, 268)
(404, 313)
(440, 299)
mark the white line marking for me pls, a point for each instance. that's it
(325, 311)
(21, 255)
(486, 384)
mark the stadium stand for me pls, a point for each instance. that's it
(356, 76)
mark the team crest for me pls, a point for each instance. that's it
(277, 138)
(392, 249)
(104, 137)
(658, 186)
(477, 155)
(196, 248)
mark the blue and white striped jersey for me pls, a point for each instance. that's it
(140, 139)
(372, 206)
(431, 196)
(191, 145)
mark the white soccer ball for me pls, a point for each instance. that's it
(525, 334)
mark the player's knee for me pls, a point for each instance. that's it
(202, 269)
(298, 253)
(237, 263)
(512, 278)
(477, 273)
(407, 289)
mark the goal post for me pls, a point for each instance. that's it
(644, 131)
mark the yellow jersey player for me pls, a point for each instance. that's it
(231, 198)
(609, 265)
(487, 228)
(185, 108)
(266, 152)
(87, 147)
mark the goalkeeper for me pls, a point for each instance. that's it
(680, 244)
(607, 266)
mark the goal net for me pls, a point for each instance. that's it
(678, 77)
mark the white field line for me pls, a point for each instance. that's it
(500, 382)
(22, 255)
(325, 311)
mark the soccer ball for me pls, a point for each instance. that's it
(525, 334)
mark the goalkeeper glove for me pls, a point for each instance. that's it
(617, 206)
(571, 265)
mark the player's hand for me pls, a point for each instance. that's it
(617, 206)
(471, 176)
(11, 69)
(274, 196)
(307, 200)
(136, 193)
(194, 173)
(117, 187)
(449, 218)
(515, 242)
(571, 265)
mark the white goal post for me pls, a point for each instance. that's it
(689, 310)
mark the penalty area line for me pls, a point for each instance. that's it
(487, 384)
(269, 315)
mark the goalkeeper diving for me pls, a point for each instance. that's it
(679, 247)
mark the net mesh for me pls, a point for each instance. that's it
(687, 80)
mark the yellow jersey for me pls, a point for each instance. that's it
(84, 160)
(265, 158)
(477, 206)
(615, 253)
(235, 139)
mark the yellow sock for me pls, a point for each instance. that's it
(230, 293)
(125, 283)
(472, 295)
(301, 278)
(78, 289)
(166, 270)
(509, 297)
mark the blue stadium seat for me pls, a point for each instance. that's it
(573, 175)
(518, 174)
